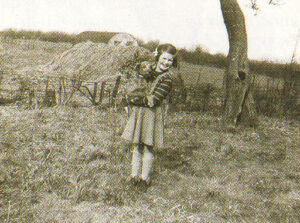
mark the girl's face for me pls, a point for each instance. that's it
(165, 62)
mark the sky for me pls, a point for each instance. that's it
(272, 31)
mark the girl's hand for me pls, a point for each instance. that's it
(138, 100)
(134, 99)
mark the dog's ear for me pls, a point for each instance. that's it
(144, 68)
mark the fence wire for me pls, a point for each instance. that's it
(269, 96)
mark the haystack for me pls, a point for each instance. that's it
(86, 63)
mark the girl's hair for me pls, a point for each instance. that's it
(169, 48)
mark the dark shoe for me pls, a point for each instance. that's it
(135, 180)
(145, 183)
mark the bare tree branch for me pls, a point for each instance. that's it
(255, 5)
(274, 2)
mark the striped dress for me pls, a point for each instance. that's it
(146, 124)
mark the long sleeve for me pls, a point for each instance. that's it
(160, 91)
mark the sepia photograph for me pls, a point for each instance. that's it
(141, 111)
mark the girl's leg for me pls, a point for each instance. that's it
(147, 163)
(136, 161)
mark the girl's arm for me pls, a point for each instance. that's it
(160, 92)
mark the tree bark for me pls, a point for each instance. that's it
(239, 103)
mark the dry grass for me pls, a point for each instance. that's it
(67, 164)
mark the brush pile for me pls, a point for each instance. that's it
(86, 63)
(93, 61)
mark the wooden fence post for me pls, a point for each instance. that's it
(50, 96)
(1, 76)
(115, 90)
(59, 91)
(95, 93)
(267, 92)
(102, 92)
(31, 96)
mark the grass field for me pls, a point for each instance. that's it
(66, 164)
(69, 164)
(194, 75)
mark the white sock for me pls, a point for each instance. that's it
(147, 163)
(136, 161)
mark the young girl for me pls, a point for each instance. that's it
(145, 126)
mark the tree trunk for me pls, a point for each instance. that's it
(238, 103)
